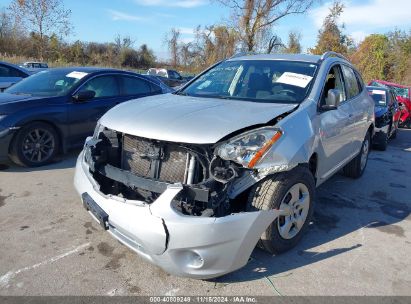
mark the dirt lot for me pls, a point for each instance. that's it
(358, 244)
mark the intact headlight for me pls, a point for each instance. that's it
(248, 148)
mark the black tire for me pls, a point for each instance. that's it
(354, 169)
(24, 142)
(382, 143)
(269, 194)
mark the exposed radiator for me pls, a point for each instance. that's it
(162, 161)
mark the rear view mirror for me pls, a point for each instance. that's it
(332, 101)
(84, 96)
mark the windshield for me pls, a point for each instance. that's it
(379, 96)
(255, 80)
(47, 83)
(403, 92)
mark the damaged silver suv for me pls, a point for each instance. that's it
(193, 180)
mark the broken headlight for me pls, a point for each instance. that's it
(248, 148)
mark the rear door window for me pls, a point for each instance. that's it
(103, 86)
(135, 86)
(351, 82)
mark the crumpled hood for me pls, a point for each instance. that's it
(189, 119)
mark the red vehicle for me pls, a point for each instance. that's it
(404, 100)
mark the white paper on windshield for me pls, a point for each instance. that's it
(379, 92)
(298, 80)
(77, 75)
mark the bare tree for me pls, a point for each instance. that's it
(5, 25)
(173, 42)
(253, 17)
(42, 18)
(274, 44)
(123, 42)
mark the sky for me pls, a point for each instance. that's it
(148, 21)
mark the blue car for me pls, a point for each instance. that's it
(386, 115)
(11, 74)
(55, 110)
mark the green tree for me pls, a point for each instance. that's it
(371, 57)
(399, 55)
(293, 45)
(146, 57)
(330, 36)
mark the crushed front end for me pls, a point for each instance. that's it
(178, 205)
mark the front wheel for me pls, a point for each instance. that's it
(35, 145)
(356, 167)
(382, 141)
(291, 192)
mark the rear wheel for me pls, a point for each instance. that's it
(34, 145)
(292, 192)
(356, 167)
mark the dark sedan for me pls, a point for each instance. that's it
(11, 74)
(55, 110)
(386, 115)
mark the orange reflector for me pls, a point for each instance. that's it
(264, 149)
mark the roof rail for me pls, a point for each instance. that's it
(332, 54)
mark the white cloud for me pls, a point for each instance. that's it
(173, 3)
(186, 30)
(165, 15)
(358, 36)
(187, 39)
(120, 16)
(374, 14)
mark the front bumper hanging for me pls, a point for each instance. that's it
(191, 246)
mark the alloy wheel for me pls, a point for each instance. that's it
(294, 206)
(38, 145)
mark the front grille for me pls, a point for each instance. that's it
(162, 161)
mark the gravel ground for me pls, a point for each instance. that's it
(358, 244)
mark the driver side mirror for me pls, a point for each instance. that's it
(83, 96)
(332, 101)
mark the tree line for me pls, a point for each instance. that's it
(37, 29)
